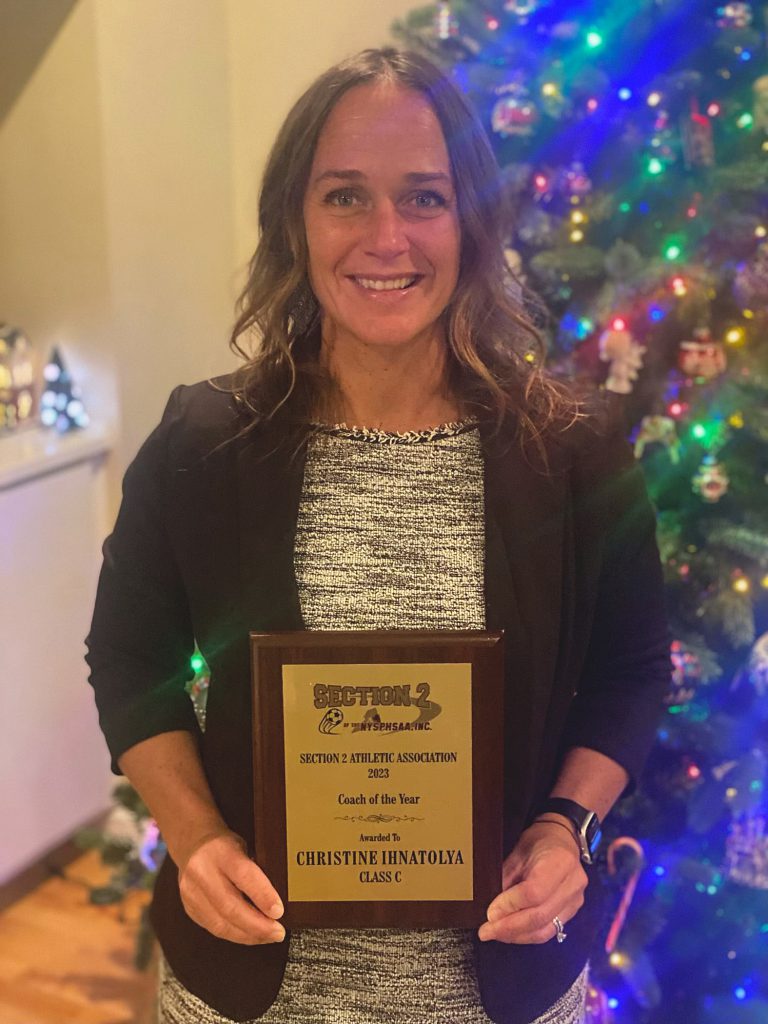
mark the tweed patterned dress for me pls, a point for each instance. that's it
(389, 536)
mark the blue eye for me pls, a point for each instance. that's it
(343, 197)
(430, 200)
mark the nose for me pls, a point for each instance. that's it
(386, 237)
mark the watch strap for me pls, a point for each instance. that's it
(586, 824)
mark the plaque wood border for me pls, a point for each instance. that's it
(484, 651)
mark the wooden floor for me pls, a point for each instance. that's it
(65, 961)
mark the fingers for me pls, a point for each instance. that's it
(533, 925)
(552, 885)
(216, 886)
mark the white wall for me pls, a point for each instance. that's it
(166, 140)
(53, 766)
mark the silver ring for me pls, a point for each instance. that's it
(560, 933)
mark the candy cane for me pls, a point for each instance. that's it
(629, 890)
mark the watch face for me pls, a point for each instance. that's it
(593, 832)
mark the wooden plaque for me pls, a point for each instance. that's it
(378, 775)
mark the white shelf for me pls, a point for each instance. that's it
(35, 452)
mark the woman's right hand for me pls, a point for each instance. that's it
(229, 895)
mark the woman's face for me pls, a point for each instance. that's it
(381, 219)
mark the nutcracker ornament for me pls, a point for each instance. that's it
(625, 358)
(711, 481)
(658, 430)
(702, 357)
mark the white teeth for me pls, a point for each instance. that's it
(385, 286)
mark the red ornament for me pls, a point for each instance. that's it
(514, 113)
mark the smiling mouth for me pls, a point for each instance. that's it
(388, 285)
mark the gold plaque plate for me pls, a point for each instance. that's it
(378, 782)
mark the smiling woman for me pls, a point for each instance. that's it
(390, 456)
(382, 196)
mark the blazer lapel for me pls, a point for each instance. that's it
(269, 479)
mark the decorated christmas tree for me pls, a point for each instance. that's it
(61, 405)
(633, 141)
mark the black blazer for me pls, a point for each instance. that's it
(202, 551)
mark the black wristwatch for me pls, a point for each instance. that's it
(586, 824)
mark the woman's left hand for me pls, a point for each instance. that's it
(542, 879)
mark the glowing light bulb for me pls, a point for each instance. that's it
(693, 771)
(741, 585)
(492, 23)
(577, 217)
(731, 792)
(592, 105)
(654, 99)
(594, 39)
(529, 357)
(713, 109)
(673, 252)
(625, 207)
(617, 959)
(619, 324)
(748, 314)
(764, 582)
(678, 286)
(655, 166)
(736, 420)
(735, 336)
(745, 121)
(761, 231)
(699, 431)
(549, 89)
(625, 94)
(676, 409)
(577, 235)
(541, 182)
(196, 662)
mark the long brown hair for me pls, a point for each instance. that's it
(497, 365)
